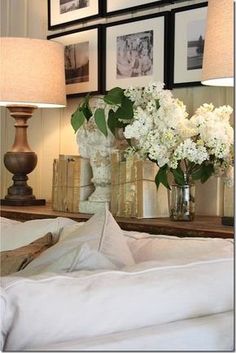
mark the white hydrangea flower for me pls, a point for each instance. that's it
(151, 106)
(186, 129)
(159, 153)
(224, 112)
(173, 163)
(192, 152)
(214, 128)
(205, 108)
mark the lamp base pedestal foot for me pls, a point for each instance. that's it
(33, 202)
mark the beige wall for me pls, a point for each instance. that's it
(50, 133)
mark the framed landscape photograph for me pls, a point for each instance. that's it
(67, 12)
(113, 7)
(82, 60)
(136, 51)
(188, 36)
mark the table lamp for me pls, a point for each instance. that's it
(218, 63)
(32, 76)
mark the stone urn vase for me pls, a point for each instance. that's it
(98, 148)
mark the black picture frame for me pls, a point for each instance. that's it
(125, 9)
(94, 77)
(165, 55)
(53, 26)
(174, 82)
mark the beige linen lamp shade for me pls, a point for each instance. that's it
(218, 49)
(32, 72)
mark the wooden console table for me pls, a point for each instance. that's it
(202, 226)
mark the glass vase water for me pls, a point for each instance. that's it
(182, 202)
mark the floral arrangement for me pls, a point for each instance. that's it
(158, 128)
(189, 148)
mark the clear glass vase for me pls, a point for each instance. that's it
(182, 202)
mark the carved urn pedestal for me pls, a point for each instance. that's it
(98, 148)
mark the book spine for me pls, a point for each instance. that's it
(55, 185)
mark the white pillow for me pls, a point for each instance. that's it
(66, 231)
(16, 234)
(176, 250)
(80, 258)
(50, 309)
(102, 236)
(7, 221)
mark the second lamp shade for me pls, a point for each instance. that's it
(218, 49)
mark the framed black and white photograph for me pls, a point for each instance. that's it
(82, 59)
(67, 12)
(113, 7)
(136, 51)
(189, 26)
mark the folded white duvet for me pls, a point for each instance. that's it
(205, 333)
(46, 309)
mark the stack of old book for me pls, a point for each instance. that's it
(133, 188)
(71, 182)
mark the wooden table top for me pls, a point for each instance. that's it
(202, 226)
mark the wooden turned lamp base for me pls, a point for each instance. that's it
(20, 161)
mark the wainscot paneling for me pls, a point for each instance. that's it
(50, 132)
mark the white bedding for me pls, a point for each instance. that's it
(83, 304)
(207, 333)
(15, 234)
(154, 292)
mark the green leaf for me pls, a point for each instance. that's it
(161, 177)
(86, 99)
(204, 172)
(111, 121)
(208, 170)
(100, 121)
(86, 108)
(197, 174)
(129, 142)
(114, 96)
(121, 124)
(157, 181)
(125, 112)
(87, 112)
(77, 119)
(178, 175)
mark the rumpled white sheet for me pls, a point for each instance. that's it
(50, 308)
(207, 333)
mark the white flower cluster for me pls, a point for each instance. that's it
(163, 132)
(191, 151)
(214, 129)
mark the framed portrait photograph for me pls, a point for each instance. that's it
(67, 12)
(113, 7)
(82, 60)
(136, 51)
(188, 36)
